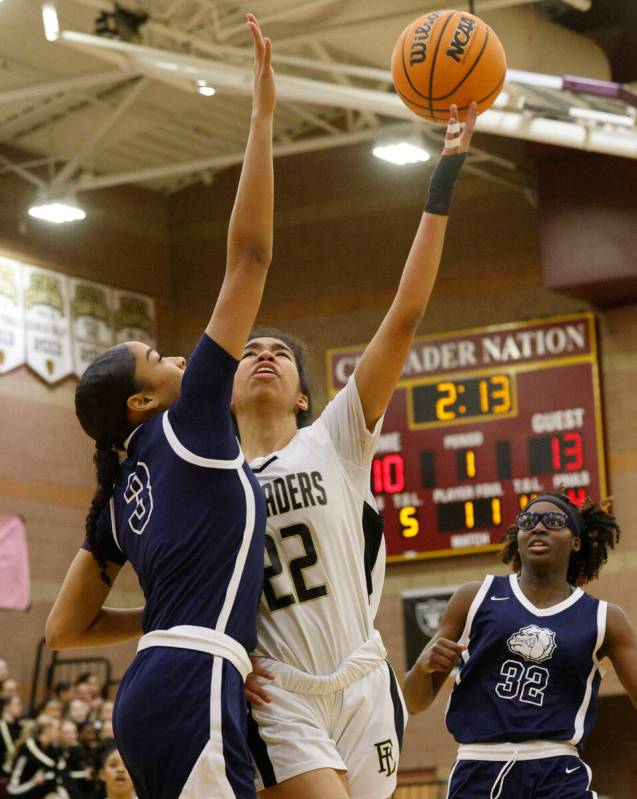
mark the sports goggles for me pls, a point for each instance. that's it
(552, 520)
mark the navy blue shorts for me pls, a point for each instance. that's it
(565, 777)
(180, 726)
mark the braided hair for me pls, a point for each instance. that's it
(299, 350)
(101, 407)
(600, 532)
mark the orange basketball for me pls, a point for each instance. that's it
(447, 57)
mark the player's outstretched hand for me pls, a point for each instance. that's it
(458, 137)
(264, 93)
(256, 693)
(440, 654)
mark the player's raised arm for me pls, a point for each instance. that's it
(620, 646)
(250, 230)
(382, 362)
(426, 677)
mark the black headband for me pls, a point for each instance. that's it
(568, 509)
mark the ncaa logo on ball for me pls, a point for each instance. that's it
(460, 39)
(533, 643)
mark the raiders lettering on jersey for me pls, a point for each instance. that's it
(293, 492)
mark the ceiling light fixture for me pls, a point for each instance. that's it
(203, 88)
(401, 153)
(50, 21)
(57, 211)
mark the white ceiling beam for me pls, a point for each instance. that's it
(100, 133)
(243, 54)
(238, 80)
(23, 173)
(308, 7)
(341, 79)
(313, 119)
(78, 83)
(225, 161)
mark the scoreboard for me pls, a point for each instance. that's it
(482, 420)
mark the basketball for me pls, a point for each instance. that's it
(447, 57)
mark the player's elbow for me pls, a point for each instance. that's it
(56, 633)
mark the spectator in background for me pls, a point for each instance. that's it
(93, 682)
(106, 731)
(105, 712)
(79, 776)
(9, 687)
(78, 711)
(88, 737)
(52, 708)
(112, 773)
(10, 729)
(82, 690)
(38, 769)
(64, 692)
(4, 670)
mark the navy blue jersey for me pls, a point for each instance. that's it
(528, 673)
(187, 511)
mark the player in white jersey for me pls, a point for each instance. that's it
(334, 723)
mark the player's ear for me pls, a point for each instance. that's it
(302, 403)
(141, 403)
(577, 544)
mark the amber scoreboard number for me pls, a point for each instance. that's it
(483, 420)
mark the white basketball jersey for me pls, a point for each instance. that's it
(325, 555)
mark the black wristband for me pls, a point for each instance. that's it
(442, 183)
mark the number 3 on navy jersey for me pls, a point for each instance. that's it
(295, 566)
(526, 684)
(139, 494)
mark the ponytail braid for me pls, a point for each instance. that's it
(101, 407)
(106, 471)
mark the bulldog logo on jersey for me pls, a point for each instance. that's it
(533, 643)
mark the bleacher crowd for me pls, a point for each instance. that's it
(63, 750)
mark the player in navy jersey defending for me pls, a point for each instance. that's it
(186, 511)
(530, 647)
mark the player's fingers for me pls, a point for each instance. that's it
(450, 647)
(255, 30)
(259, 669)
(467, 133)
(267, 58)
(440, 662)
(255, 700)
(452, 135)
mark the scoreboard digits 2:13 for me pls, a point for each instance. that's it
(481, 421)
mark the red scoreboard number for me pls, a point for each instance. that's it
(482, 421)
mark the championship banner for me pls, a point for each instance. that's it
(15, 590)
(91, 329)
(47, 314)
(12, 351)
(422, 613)
(134, 317)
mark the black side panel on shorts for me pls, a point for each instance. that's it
(373, 524)
(260, 753)
(399, 716)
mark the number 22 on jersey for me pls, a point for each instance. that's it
(289, 571)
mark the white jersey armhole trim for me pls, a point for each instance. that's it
(525, 602)
(111, 510)
(466, 633)
(583, 708)
(186, 455)
(473, 609)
